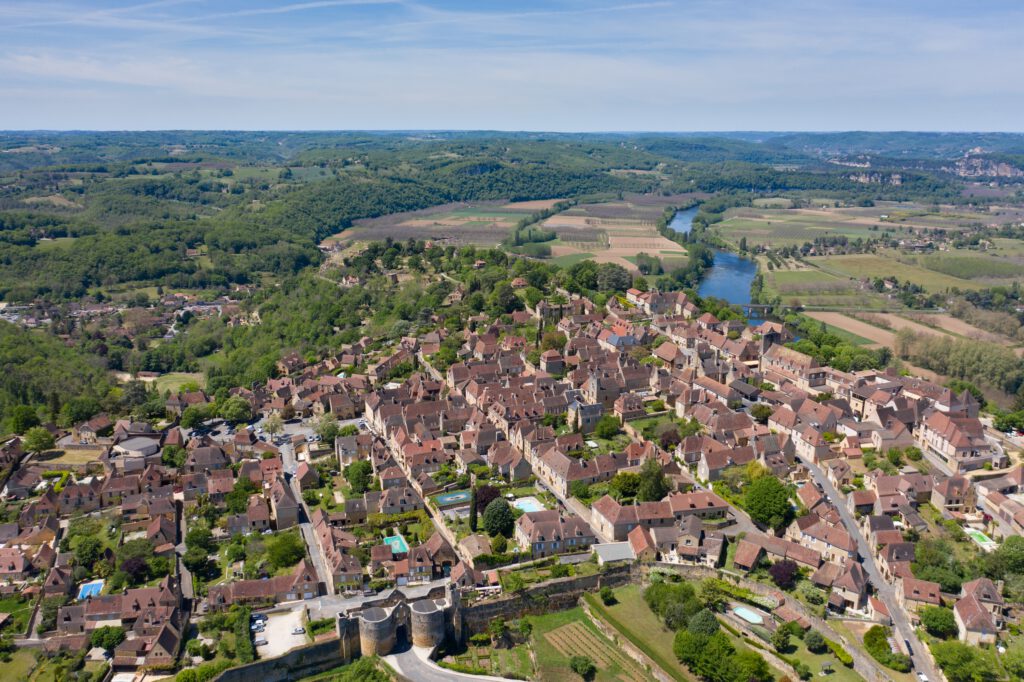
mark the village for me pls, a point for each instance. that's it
(565, 439)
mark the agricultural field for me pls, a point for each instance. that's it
(888, 263)
(615, 232)
(514, 662)
(772, 224)
(557, 637)
(482, 224)
(638, 624)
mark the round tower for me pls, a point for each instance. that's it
(427, 624)
(376, 632)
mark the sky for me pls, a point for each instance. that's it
(561, 65)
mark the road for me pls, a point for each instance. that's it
(289, 464)
(415, 664)
(886, 591)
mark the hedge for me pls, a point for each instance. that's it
(840, 653)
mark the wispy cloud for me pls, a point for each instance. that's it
(567, 64)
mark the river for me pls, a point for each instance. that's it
(730, 277)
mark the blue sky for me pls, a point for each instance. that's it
(574, 65)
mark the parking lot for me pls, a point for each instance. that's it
(279, 633)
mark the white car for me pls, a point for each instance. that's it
(299, 631)
(922, 677)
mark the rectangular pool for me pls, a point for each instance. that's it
(748, 615)
(528, 504)
(982, 540)
(91, 589)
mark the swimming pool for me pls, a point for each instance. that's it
(91, 589)
(398, 544)
(452, 498)
(748, 615)
(983, 541)
(528, 504)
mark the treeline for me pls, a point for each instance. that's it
(41, 373)
(966, 359)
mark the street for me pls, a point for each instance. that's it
(886, 592)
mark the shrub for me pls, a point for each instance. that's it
(583, 666)
(607, 596)
(876, 641)
(841, 654)
(814, 641)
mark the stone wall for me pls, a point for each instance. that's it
(545, 597)
(295, 664)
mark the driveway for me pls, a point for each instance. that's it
(279, 632)
(886, 591)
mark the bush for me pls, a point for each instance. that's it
(499, 518)
(607, 596)
(243, 640)
(583, 666)
(876, 641)
(939, 621)
(841, 654)
(814, 641)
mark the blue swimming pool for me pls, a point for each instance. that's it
(528, 504)
(91, 589)
(398, 544)
(749, 615)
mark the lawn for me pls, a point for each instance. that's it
(20, 610)
(571, 259)
(637, 623)
(22, 662)
(840, 673)
(559, 636)
(173, 381)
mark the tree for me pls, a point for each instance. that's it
(668, 436)
(472, 510)
(938, 621)
(359, 476)
(274, 424)
(815, 642)
(348, 430)
(485, 494)
(703, 623)
(513, 582)
(173, 456)
(286, 549)
(760, 412)
(607, 595)
(107, 637)
(607, 427)
(580, 490)
(583, 666)
(499, 545)
(653, 483)
(327, 428)
(38, 439)
(195, 560)
(962, 663)
(780, 639)
(200, 538)
(499, 518)
(23, 418)
(713, 593)
(624, 484)
(784, 573)
(767, 502)
(236, 410)
(136, 569)
(193, 416)
(88, 549)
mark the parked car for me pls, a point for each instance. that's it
(260, 641)
(299, 630)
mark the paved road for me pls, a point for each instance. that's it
(886, 591)
(415, 664)
(305, 527)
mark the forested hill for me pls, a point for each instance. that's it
(80, 212)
